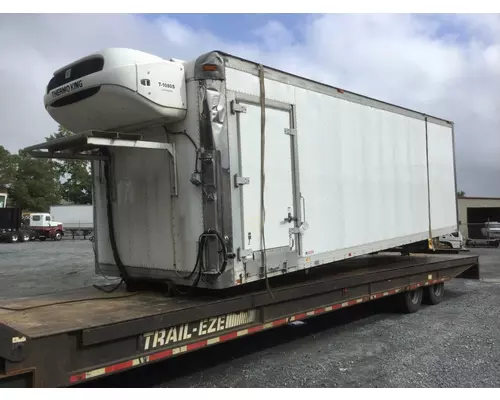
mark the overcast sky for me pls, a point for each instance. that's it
(448, 66)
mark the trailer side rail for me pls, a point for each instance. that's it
(69, 358)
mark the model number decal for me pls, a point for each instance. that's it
(18, 339)
(70, 87)
(166, 85)
(179, 333)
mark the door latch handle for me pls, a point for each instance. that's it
(290, 218)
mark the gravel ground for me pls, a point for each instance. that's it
(34, 268)
(453, 344)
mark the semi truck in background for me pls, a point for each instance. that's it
(14, 228)
(46, 227)
(490, 236)
(17, 227)
(249, 183)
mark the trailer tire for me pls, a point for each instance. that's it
(410, 301)
(434, 294)
(13, 238)
(25, 237)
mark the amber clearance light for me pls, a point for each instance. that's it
(209, 67)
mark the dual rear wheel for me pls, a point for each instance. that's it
(410, 301)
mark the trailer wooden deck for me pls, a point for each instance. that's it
(51, 339)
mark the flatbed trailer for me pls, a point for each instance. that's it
(66, 338)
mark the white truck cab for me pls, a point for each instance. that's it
(453, 240)
(46, 226)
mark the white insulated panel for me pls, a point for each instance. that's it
(441, 177)
(243, 82)
(142, 210)
(362, 173)
(278, 191)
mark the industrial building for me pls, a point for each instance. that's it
(474, 212)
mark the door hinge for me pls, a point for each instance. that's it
(291, 132)
(294, 231)
(237, 108)
(241, 180)
(244, 253)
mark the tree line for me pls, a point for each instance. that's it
(35, 184)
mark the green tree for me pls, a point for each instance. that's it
(460, 193)
(8, 164)
(76, 186)
(36, 184)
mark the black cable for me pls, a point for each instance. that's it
(111, 228)
(198, 256)
(98, 266)
(223, 248)
(201, 244)
(198, 265)
(191, 140)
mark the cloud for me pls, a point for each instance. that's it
(446, 65)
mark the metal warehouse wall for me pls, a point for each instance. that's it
(473, 202)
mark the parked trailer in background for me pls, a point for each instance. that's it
(75, 218)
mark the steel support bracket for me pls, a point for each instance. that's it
(244, 253)
(237, 108)
(240, 180)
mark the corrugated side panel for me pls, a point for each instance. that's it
(363, 171)
(441, 178)
(142, 211)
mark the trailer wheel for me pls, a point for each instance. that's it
(410, 301)
(434, 294)
(25, 237)
(13, 238)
